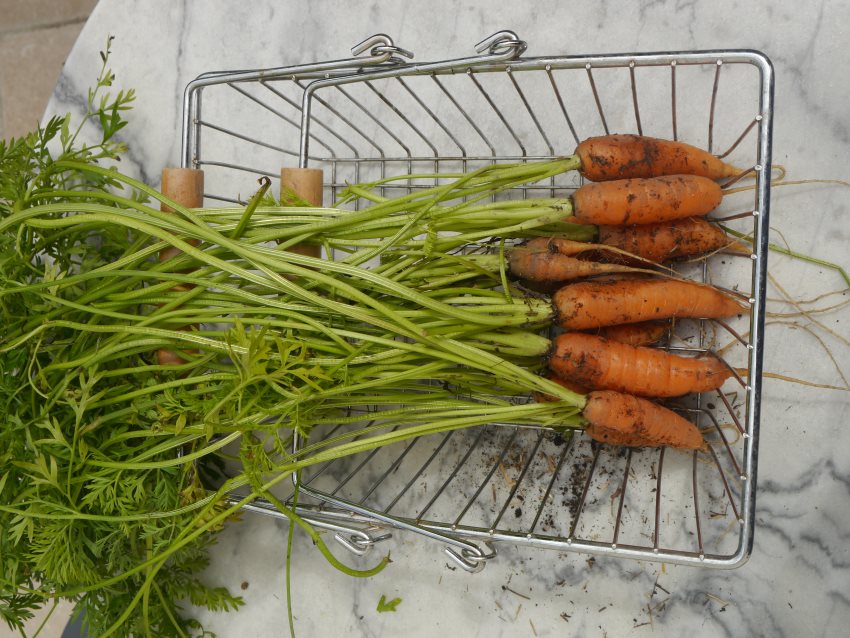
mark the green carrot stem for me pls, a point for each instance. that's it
(791, 253)
(265, 182)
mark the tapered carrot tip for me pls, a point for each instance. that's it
(626, 156)
(622, 419)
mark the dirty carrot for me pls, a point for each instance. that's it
(636, 334)
(668, 240)
(601, 364)
(622, 419)
(625, 156)
(541, 260)
(595, 304)
(645, 200)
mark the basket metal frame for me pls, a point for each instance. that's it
(359, 526)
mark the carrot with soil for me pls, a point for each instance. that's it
(612, 157)
(622, 419)
(548, 259)
(588, 305)
(598, 363)
(636, 334)
(645, 200)
(664, 241)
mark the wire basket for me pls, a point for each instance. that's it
(370, 117)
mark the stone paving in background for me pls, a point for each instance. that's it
(35, 38)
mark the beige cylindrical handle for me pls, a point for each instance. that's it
(307, 184)
(184, 186)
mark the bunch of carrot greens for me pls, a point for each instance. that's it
(101, 499)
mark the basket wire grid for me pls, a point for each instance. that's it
(365, 120)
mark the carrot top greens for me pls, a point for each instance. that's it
(103, 451)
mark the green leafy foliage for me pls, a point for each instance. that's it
(107, 457)
(385, 605)
(69, 526)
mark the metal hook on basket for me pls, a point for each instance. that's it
(472, 558)
(359, 542)
(505, 44)
(381, 46)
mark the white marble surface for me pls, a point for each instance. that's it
(796, 581)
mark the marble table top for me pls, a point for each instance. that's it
(795, 583)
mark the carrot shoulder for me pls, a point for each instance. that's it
(594, 304)
(645, 200)
(623, 156)
(600, 364)
(621, 419)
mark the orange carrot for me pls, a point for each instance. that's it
(667, 240)
(645, 200)
(601, 364)
(544, 259)
(621, 419)
(636, 334)
(625, 156)
(588, 305)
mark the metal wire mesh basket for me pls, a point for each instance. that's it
(370, 117)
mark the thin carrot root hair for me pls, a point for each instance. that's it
(788, 182)
(796, 326)
(782, 377)
(807, 313)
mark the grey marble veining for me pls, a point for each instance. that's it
(796, 581)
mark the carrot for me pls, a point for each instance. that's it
(667, 240)
(625, 156)
(621, 419)
(601, 364)
(543, 259)
(645, 200)
(636, 334)
(595, 304)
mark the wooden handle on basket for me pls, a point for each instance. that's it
(306, 183)
(185, 186)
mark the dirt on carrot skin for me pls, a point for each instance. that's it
(621, 156)
(600, 364)
(645, 200)
(665, 241)
(622, 419)
(588, 305)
